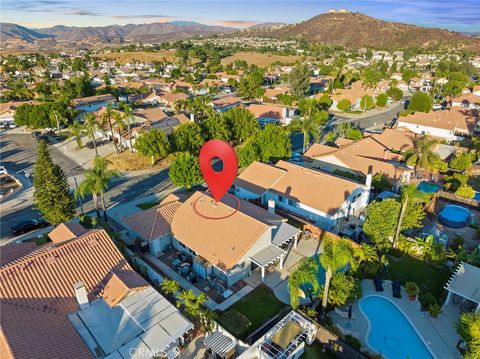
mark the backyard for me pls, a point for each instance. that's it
(431, 278)
(255, 309)
(314, 351)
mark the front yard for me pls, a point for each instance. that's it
(431, 278)
(251, 312)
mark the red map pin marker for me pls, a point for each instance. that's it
(218, 182)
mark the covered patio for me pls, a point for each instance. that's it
(268, 258)
(219, 346)
(464, 288)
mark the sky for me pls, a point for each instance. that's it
(457, 15)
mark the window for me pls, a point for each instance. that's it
(280, 198)
(292, 203)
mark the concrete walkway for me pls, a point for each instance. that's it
(437, 333)
(196, 349)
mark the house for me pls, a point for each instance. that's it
(224, 103)
(92, 103)
(8, 109)
(320, 197)
(423, 84)
(352, 94)
(271, 94)
(226, 250)
(78, 297)
(170, 98)
(467, 100)
(464, 288)
(358, 158)
(271, 113)
(320, 83)
(451, 125)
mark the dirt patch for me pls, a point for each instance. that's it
(260, 59)
(141, 56)
(132, 161)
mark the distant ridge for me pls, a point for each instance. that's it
(8, 31)
(264, 25)
(358, 30)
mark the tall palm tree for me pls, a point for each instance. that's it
(421, 156)
(77, 130)
(186, 299)
(58, 118)
(91, 125)
(108, 117)
(306, 273)
(128, 117)
(308, 126)
(86, 187)
(170, 287)
(120, 123)
(335, 255)
(96, 182)
(367, 255)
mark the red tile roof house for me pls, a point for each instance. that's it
(78, 297)
(272, 113)
(320, 197)
(92, 103)
(227, 248)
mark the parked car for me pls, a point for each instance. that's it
(28, 226)
(437, 106)
(36, 134)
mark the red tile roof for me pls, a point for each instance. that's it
(66, 232)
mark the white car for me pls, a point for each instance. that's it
(437, 106)
(3, 171)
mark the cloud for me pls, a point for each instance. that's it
(147, 16)
(80, 12)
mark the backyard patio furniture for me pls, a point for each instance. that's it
(396, 289)
(378, 284)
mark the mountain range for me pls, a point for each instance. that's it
(347, 29)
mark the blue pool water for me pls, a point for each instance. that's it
(391, 334)
(454, 216)
(477, 196)
(428, 187)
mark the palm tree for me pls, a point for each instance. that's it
(107, 117)
(306, 273)
(367, 255)
(335, 255)
(120, 123)
(186, 299)
(421, 156)
(307, 126)
(55, 115)
(128, 116)
(96, 182)
(91, 125)
(77, 130)
(170, 287)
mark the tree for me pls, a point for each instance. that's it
(108, 118)
(299, 80)
(421, 156)
(344, 105)
(344, 288)
(241, 123)
(462, 162)
(153, 144)
(51, 192)
(185, 171)
(307, 126)
(188, 137)
(170, 287)
(408, 74)
(58, 118)
(91, 125)
(273, 143)
(305, 274)
(381, 221)
(308, 106)
(96, 182)
(468, 328)
(382, 100)
(215, 128)
(247, 153)
(465, 191)
(77, 130)
(367, 259)
(325, 101)
(120, 124)
(420, 102)
(394, 93)
(336, 254)
(380, 182)
(128, 117)
(354, 134)
(250, 86)
(366, 103)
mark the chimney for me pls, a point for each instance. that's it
(271, 206)
(81, 294)
(368, 181)
(192, 117)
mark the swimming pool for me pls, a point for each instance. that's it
(428, 187)
(454, 216)
(477, 196)
(390, 333)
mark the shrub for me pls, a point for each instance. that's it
(344, 105)
(353, 342)
(465, 191)
(427, 299)
(395, 93)
(456, 243)
(434, 310)
(421, 102)
(382, 100)
(412, 289)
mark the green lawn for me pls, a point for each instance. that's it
(258, 306)
(147, 205)
(314, 351)
(429, 277)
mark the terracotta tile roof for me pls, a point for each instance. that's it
(396, 139)
(469, 98)
(92, 99)
(352, 94)
(455, 119)
(319, 190)
(120, 284)
(154, 222)
(173, 97)
(39, 287)
(227, 101)
(14, 251)
(150, 114)
(342, 141)
(223, 242)
(318, 149)
(258, 177)
(66, 232)
(266, 111)
(273, 93)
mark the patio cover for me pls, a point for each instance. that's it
(466, 282)
(285, 335)
(284, 233)
(267, 255)
(219, 343)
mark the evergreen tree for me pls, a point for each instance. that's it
(51, 194)
(299, 80)
(185, 171)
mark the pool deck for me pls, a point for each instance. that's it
(438, 334)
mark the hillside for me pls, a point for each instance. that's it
(358, 30)
(14, 31)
